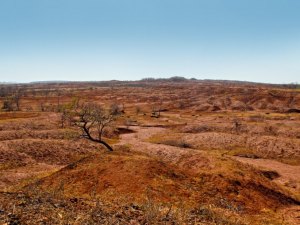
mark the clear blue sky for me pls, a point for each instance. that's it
(254, 40)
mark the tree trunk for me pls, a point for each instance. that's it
(106, 145)
(109, 148)
(88, 136)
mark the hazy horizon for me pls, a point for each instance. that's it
(51, 40)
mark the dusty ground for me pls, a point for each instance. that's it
(288, 175)
(217, 154)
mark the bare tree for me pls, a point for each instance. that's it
(66, 113)
(17, 97)
(58, 94)
(93, 119)
(292, 99)
(293, 94)
(8, 104)
(156, 109)
(64, 117)
(12, 102)
(5, 91)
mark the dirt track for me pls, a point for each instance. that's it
(138, 143)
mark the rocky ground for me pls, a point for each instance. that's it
(215, 154)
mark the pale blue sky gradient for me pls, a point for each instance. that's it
(253, 40)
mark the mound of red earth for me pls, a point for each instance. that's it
(134, 175)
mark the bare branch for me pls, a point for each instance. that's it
(92, 119)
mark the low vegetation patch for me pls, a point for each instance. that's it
(271, 175)
(176, 143)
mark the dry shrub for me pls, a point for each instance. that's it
(176, 143)
(211, 214)
(159, 213)
(270, 174)
(271, 130)
(152, 210)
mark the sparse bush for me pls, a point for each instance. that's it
(270, 174)
(156, 110)
(237, 125)
(64, 117)
(210, 214)
(176, 143)
(116, 109)
(152, 210)
(8, 105)
(271, 130)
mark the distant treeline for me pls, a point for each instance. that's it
(7, 88)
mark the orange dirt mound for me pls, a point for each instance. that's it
(136, 176)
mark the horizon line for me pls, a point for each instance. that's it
(148, 79)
